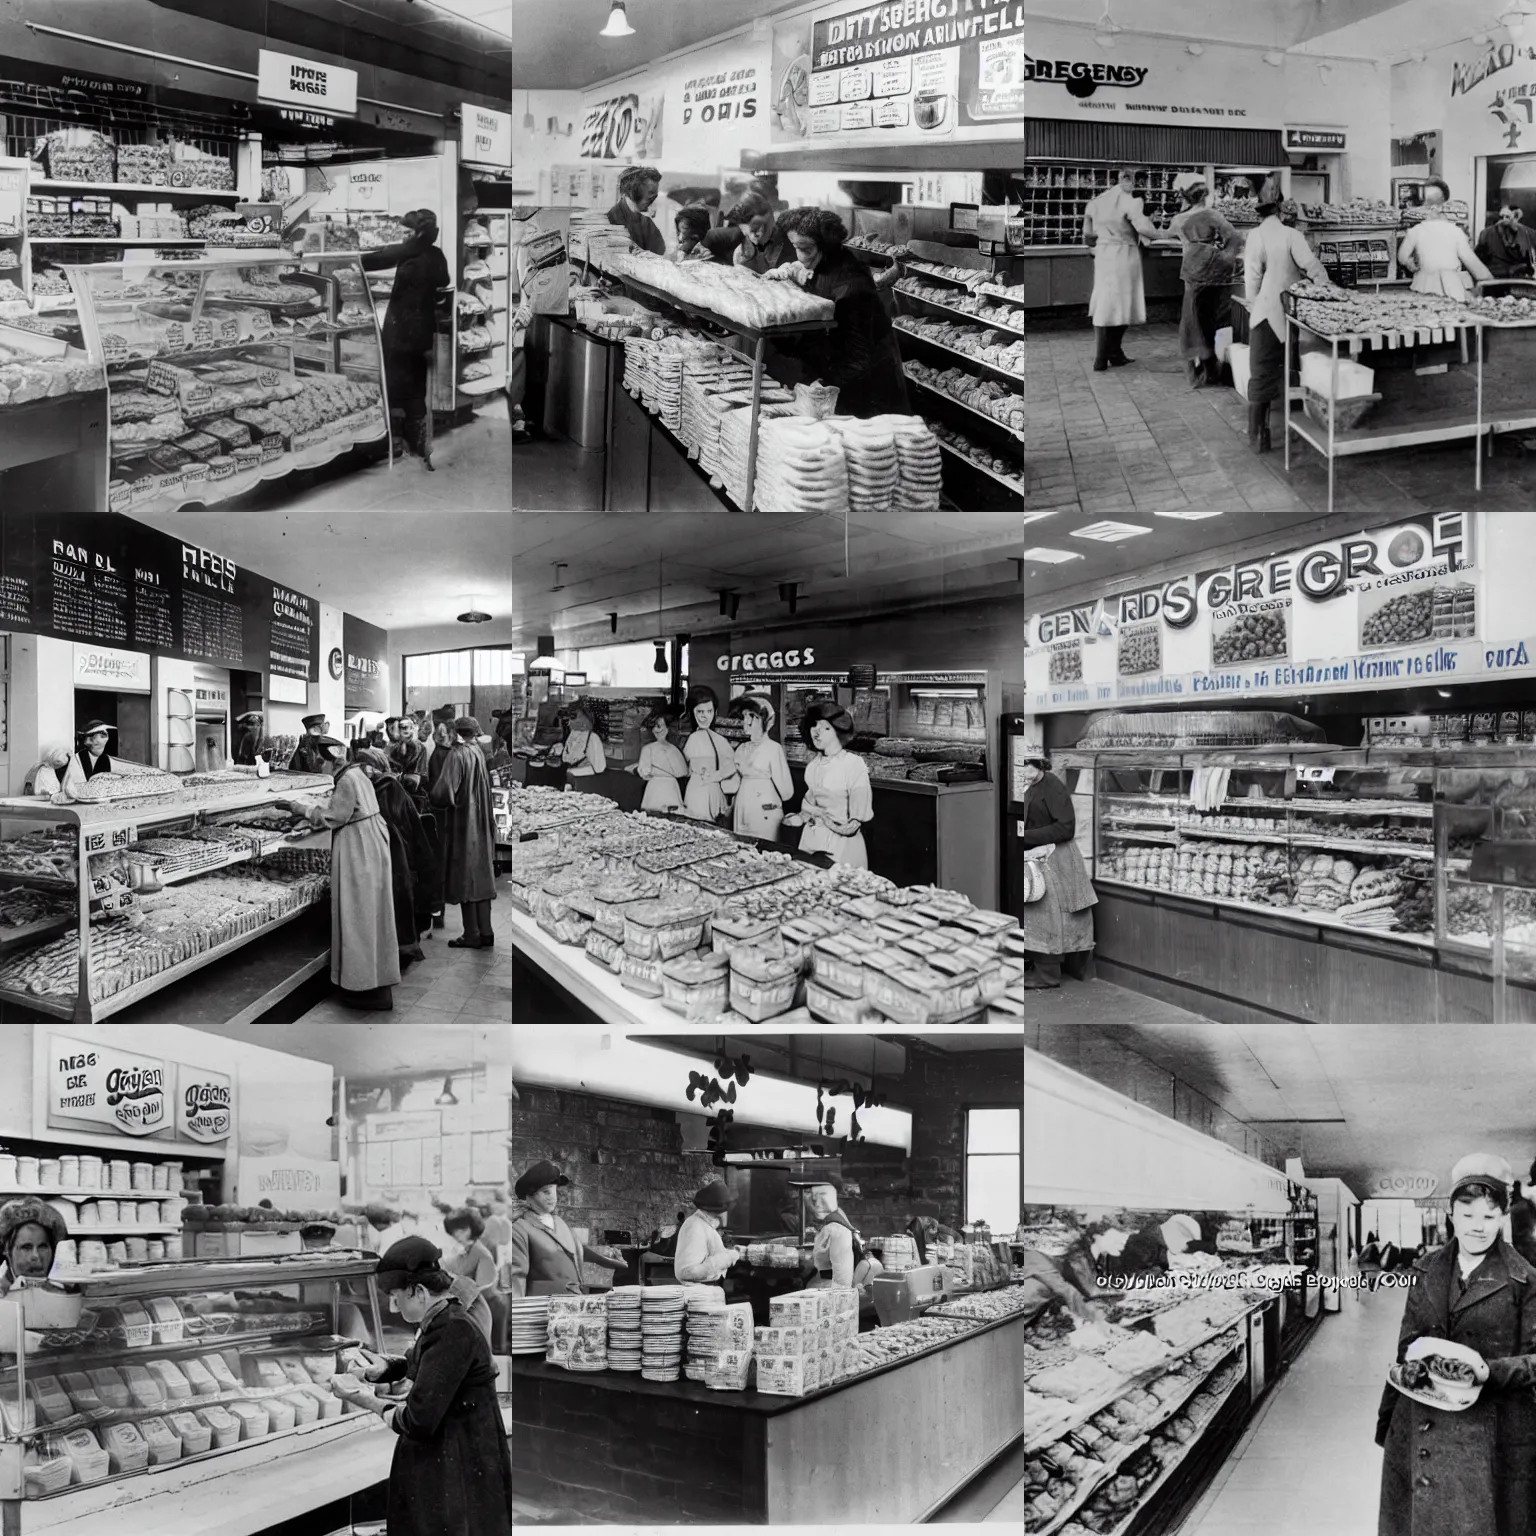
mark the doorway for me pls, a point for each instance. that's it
(129, 712)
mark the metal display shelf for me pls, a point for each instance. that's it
(109, 240)
(1011, 485)
(944, 394)
(759, 336)
(38, 184)
(99, 823)
(1001, 297)
(968, 358)
(959, 314)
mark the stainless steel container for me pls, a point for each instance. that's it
(576, 386)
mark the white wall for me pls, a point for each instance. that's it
(168, 673)
(535, 151)
(42, 700)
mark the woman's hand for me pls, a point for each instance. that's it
(794, 819)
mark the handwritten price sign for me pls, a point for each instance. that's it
(108, 840)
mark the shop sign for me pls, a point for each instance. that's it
(485, 136)
(623, 127)
(109, 1087)
(288, 1180)
(1404, 1185)
(767, 661)
(286, 81)
(335, 663)
(205, 1104)
(99, 666)
(367, 665)
(98, 86)
(1302, 140)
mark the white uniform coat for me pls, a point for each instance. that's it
(1119, 294)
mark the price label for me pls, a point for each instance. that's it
(859, 115)
(175, 337)
(202, 334)
(121, 902)
(229, 330)
(1310, 774)
(892, 114)
(823, 88)
(194, 395)
(855, 84)
(114, 348)
(161, 380)
(105, 885)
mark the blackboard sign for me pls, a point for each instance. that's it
(102, 578)
(367, 665)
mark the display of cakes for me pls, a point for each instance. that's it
(846, 944)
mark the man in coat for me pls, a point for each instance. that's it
(365, 953)
(546, 1255)
(307, 756)
(1468, 1472)
(468, 831)
(250, 738)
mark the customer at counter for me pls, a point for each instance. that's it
(765, 780)
(546, 1255)
(468, 837)
(1211, 248)
(700, 1255)
(764, 245)
(365, 948)
(1114, 224)
(661, 765)
(699, 240)
(711, 759)
(838, 801)
(858, 356)
(1058, 927)
(307, 756)
(250, 738)
(1505, 246)
(638, 187)
(415, 869)
(452, 1467)
(1436, 250)
(30, 1235)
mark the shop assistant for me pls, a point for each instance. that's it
(546, 1255)
(838, 1255)
(91, 758)
(662, 767)
(1436, 250)
(701, 1256)
(837, 801)
(1059, 926)
(452, 1469)
(858, 356)
(638, 187)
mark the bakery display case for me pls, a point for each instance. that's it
(103, 903)
(222, 374)
(131, 1373)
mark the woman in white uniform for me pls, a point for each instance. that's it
(662, 767)
(1114, 224)
(765, 780)
(711, 759)
(837, 1253)
(582, 753)
(701, 1257)
(837, 799)
(1437, 250)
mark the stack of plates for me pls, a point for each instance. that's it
(661, 1328)
(706, 1316)
(530, 1324)
(624, 1327)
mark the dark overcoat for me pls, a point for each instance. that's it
(451, 1474)
(1468, 1473)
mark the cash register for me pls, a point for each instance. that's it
(910, 1293)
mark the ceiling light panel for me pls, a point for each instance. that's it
(1187, 516)
(1046, 556)
(1110, 532)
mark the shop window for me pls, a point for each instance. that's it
(994, 1156)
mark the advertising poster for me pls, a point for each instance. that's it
(626, 126)
(1392, 605)
(205, 1104)
(871, 74)
(104, 1086)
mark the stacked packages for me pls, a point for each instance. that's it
(578, 1333)
(713, 1327)
(804, 1346)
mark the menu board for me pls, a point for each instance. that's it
(105, 579)
(367, 665)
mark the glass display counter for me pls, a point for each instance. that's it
(1430, 853)
(224, 373)
(129, 1373)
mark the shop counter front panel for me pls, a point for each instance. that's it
(891, 1446)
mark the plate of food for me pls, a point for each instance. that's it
(1439, 1374)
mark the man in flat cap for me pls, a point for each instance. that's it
(461, 794)
(307, 756)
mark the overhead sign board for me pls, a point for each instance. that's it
(485, 135)
(100, 666)
(287, 81)
(205, 1104)
(1404, 1184)
(1308, 140)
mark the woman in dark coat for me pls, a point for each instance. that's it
(410, 323)
(1211, 248)
(414, 871)
(1467, 1473)
(1061, 922)
(859, 353)
(452, 1473)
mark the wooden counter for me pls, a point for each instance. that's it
(893, 1445)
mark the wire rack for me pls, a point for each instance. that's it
(30, 111)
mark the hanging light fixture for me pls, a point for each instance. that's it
(447, 1096)
(659, 664)
(618, 22)
(1106, 29)
(474, 610)
(528, 110)
(545, 660)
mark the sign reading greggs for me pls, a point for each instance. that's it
(767, 661)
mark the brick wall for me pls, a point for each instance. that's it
(628, 1168)
(626, 1162)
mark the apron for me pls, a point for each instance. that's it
(701, 800)
(576, 764)
(103, 764)
(663, 792)
(759, 811)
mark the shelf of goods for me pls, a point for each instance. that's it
(221, 376)
(737, 296)
(121, 1390)
(809, 1439)
(483, 307)
(1381, 851)
(178, 874)
(647, 919)
(1101, 1438)
(1436, 371)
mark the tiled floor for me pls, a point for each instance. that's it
(451, 986)
(1308, 1465)
(1139, 440)
(1101, 1002)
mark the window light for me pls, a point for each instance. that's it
(1111, 532)
(1046, 556)
(1187, 516)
